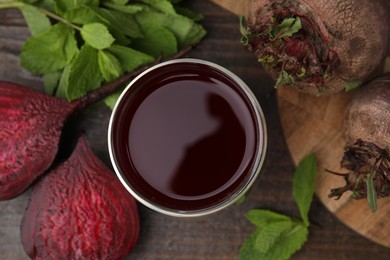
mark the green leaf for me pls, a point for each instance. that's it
(156, 41)
(120, 2)
(111, 100)
(50, 81)
(289, 242)
(97, 35)
(189, 13)
(352, 85)
(26, 1)
(122, 22)
(130, 59)
(63, 84)
(248, 249)
(284, 247)
(286, 28)
(128, 9)
(371, 192)
(270, 234)
(49, 51)
(84, 15)
(266, 60)
(241, 199)
(304, 183)
(262, 217)
(185, 30)
(161, 5)
(84, 74)
(37, 22)
(284, 79)
(66, 5)
(109, 65)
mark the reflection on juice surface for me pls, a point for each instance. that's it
(187, 137)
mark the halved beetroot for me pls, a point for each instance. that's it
(80, 210)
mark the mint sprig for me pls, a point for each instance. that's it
(278, 236)
(78, 45)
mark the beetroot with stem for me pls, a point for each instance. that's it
(319, 46)
(367, 132)
(30, 128)
(80, 210)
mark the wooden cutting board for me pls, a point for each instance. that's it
(315, 124)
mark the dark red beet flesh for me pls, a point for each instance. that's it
(80, 211)
(30, 129)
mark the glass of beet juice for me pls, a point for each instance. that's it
(187, 138)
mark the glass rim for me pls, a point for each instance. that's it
(260, 152)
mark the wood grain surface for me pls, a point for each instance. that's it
(218, 236)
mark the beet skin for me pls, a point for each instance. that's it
(80, 210)
(30, 130)
(367, 132)
(336, 44)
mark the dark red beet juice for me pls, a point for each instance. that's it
(185, 137)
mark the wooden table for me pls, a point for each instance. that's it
(218, 236)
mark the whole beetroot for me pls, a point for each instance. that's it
(80, 211)
(319, 46)
(30, 130)
(367, 132)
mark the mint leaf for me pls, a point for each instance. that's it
(120, 2)
(248, 250)
(304, 183)
(97, 35)
(262, 217)
(130, 59)
(50, 81)
(122, 22)
(111, 100)
(49, 51)
(269, 234)
(287, 243)
(83, 15)
(63, 84)
(156, 41)
(185, 30)
(161, 5)
(188, 13)
(37, 22)
(128, 9)
(270, 225)
(66, 5)
(84, 73)
(278, 236)
(371, 192)
(109, 65)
